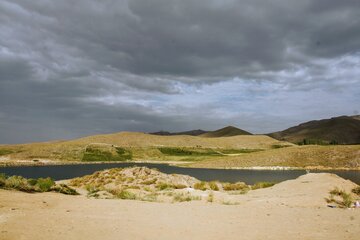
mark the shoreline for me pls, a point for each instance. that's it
(182, 164)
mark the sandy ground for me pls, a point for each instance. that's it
(293, 209)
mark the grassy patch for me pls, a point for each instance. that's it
(262, 185)
(105, 154)
(34, 185)
(237, 151)
(5, 152)
(124, 194)
(235, 186)
(277, 146)
(181, 197)
(340, 197)
(174, 151)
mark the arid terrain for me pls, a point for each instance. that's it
(294, 209)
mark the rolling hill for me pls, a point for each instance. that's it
(338, 130)
(228, 131)
(190, 133)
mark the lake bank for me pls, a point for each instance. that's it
(250, 176)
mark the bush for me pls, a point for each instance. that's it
(200, 186)
(65, 189)
(346, 198)
(163, 186)
(262, 185)
(123, 194)
(213, 186)
(45, 184)
(32, 181)
(356, 190)
(19, 183)
(2, 179)
(234, 186)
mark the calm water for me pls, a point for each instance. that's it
(249, 176)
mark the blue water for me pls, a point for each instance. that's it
(59, 172)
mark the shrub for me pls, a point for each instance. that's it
(32, 181)
(163, 186)
(234, 186)
(346, 198)
(65, 189)
(356, 190)
(210, 197)
(45, 184)
(262, 185)
(124, 194)
(213, 186)
(180, 197)
(2, 179)
(200, 186)
(19, 183)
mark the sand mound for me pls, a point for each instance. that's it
(307, 190)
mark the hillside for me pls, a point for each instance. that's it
(225, 132)
(340, 130)
(136, 146)
(190, 133)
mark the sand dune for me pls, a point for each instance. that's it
(290, 210)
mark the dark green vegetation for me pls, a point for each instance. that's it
(106, 154)
(237, 151)
(174, 151)
(34, 185)
(317, 142)
(226, 132)
(5, 152)
(337, 130)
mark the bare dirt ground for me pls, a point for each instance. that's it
(293, 209)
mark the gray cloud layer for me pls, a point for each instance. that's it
(71, 68)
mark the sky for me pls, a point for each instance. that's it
(76, 68)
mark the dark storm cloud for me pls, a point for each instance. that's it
(80, 67)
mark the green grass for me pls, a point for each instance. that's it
(5, 152)
(277, 146)
(99, 155)
(237, 151)
(174, 151)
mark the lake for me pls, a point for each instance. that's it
(59, 172)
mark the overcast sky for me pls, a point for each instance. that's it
(77, 68)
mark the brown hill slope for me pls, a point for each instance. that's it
(341, 130)
(225, 132)
(132, 145)
(190, 133)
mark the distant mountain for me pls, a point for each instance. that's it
(190, 133)
(226, 132)
(341, 130)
